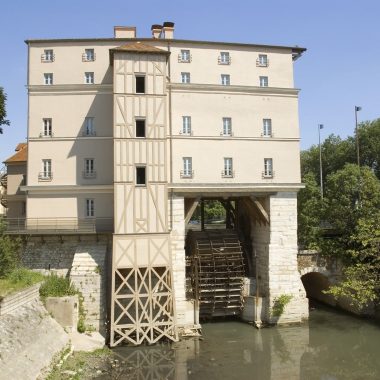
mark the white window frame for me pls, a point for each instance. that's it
(47, 127)
(89, 55)
(186, 125)
(185, 56)
(46, 169)
(225, 79)
(268, 168)
(89, 77)
(187, 164)
(224, 58)
(48, 79)
(267, 128)
(227, 167)
(262, 60)
(48, 55)
(264, 81)
(89, 126)
(89, 168)
(185, 77)
(90, 208)
(226, 126)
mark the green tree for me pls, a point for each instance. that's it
(3, 112)
(309, 213)
(9, 252)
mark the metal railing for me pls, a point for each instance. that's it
(58, 225)
(47, 57)
(224, 60)
(88, 57)
(268, 174)
(89, 174)
(45, 176)
(182, 59)
(187, 173)
(262, 63)
(228, 173)
(88, 133)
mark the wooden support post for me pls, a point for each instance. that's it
(202, 215)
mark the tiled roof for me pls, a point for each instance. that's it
(138, 47)
(20, 155)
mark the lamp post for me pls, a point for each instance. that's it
(357, 109)
(320, 126)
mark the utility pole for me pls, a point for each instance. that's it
(320, 126)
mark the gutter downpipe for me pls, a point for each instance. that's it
(170, 141)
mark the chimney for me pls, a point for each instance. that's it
(168, 30)
(156, 30)
(124, 31)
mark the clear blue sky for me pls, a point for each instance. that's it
(341, 68)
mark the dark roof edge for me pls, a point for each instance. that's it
(296, 49)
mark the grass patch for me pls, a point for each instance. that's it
(56, 286)
(18, 279)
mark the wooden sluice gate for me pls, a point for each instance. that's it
(216, 272)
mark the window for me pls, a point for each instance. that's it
(47, 127)
(184, 56)
(224, 58)
(268, 168)
(89, 55)
(267, 127)
(90, 208)
(46, 173)
(185, 77)
(48, 78)
(140, 127)
(263, 81)
(89, 128)
(225, 79)
(89, 78)
(48, 56)
(186, 125)
(227, 170)
(140, 84)
(140, 175)
(187, 171)
(89, 168)
(227, 126)
(262, 61)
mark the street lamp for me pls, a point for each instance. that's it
(357, 109)
(320, 126)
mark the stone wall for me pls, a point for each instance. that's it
(284, 277)
(81, 257)
(177, 238)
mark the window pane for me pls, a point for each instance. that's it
(140, 128)
(140, 175)
(140, 84)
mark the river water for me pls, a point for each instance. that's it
(331, 346)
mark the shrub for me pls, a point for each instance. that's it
(9, 252)
(24, 276)
(280, 304)
(56, 286)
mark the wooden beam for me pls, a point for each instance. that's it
(190, 210)
(263, 213)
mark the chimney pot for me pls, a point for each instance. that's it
(124, 31)
(168, 30)
(156, 30)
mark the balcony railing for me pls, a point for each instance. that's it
(88, 57)
(63, 226)
(187, 173)
(184, 59)
(47, 57)
(88, 133)
(268, 174)
(228, 173)
(89, 175)
(43, 135)
(262, 63)
(224, 60)
(45, 176)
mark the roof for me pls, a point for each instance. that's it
(20, 155)
(296, 50)
(138, 47)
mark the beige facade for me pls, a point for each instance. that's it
(131, 130)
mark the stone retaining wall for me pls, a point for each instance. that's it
(13, 301)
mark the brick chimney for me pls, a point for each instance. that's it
(124, 31)
(168, 30)
(156, 30)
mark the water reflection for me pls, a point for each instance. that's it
(332, 346)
